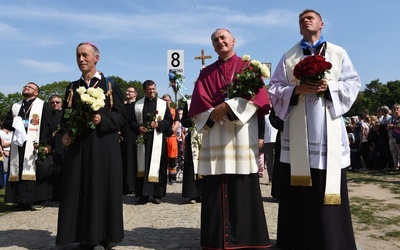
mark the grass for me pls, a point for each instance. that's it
(385, 179)
(369, 213)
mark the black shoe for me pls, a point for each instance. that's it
(22, 207)
(157, 200)
(143, 200)
(106, 245)
(83, 246)
(172, 182)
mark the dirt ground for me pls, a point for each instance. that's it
(387, 206)
(179, 228)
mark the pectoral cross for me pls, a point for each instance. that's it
(202, 58)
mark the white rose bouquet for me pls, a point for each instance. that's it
(80, 118)
(249, 80)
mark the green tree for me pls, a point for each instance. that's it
(393, 93)
(124, 85)
(53, 88)
(6, 102)
(375, 95)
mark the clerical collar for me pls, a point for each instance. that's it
(97, 75)
(306, 45)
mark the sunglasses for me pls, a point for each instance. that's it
(29, 87)
(55, 102)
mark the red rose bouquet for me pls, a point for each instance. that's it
(312, 69)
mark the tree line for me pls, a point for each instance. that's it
(375, 95)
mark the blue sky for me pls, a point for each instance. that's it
(38, 37)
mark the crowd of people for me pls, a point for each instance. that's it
(375, 139)
(295, 130)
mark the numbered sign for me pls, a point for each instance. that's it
(175, 61)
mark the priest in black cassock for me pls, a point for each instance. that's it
(90, 210)
(151, 120)
(55, 102)
(191, 183)
(127, 143)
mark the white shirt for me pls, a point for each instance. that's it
(270, 132)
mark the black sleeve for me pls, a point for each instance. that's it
(261, 127)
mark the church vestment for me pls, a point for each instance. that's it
(90, 208)
(152, 159)
(228, 161)
(23, 185)
(305, 211)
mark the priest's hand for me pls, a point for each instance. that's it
(47, 150)
(66, 140)
(142, 129)
(154, 124)
(219, 112)
(311, 87)
(96, 119)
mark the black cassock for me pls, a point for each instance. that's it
(191, 184)
(90, 210)
(128, 150)
(143, 187)
(58, 156)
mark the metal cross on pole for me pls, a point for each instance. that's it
(202, 58)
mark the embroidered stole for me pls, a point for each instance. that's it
(33, 134)
(299, 153)
(156, 150)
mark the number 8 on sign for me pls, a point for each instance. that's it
(175, 61)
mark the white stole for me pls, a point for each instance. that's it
(156, 146)
(33, 134)
(299, 154)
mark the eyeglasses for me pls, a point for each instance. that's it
(29, 87)
(55, 102)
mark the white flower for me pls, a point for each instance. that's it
(246, 58)
(91, 100)
(90, 91)
(81, 90)
(255, 63)
(97, 93)
(85, 97)
(265, 71)
(97, 104)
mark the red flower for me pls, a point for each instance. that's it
(312, 69)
